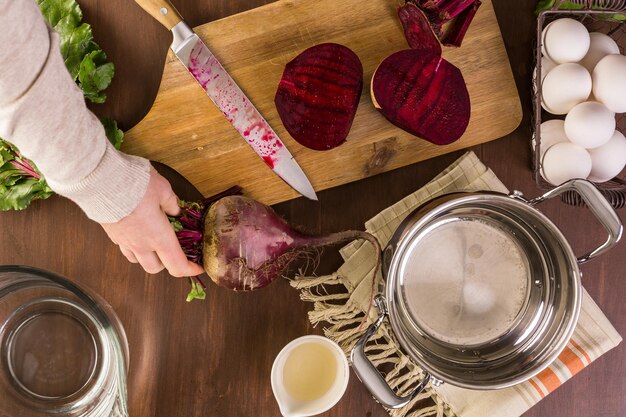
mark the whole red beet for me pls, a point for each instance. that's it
(244, 245)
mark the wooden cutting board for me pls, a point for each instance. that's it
(186, 131)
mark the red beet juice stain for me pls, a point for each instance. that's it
(236, 108)
(269, 161)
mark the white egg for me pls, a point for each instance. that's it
(609, 82)
(552, 132)
(601, 45)
(565, 161)
(565, 86)
(590, 124)
(565, 40)
(543, 39)
(546, 67)
(609, 159)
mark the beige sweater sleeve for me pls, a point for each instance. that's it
(43, 113)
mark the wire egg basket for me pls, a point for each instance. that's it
(605, 16)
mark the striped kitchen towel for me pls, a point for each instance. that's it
(594, 336)
(342, 298)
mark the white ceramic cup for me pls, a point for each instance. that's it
(292, 407)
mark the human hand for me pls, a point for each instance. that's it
(146, 237)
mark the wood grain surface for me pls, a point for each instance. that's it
(162, 10)
(186, 131)
(213, 358)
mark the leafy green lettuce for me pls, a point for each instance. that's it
(95, 75)
(20, 180)
(83, 58)
(543, 5)
(114, 134)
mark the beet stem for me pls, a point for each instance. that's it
(197, 289)
(456, 32)
(453, 8)
(23, 165)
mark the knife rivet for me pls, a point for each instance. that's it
(163, 11)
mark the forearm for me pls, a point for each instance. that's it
(43, 113)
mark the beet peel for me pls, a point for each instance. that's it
(318, 95)
(456, 32)
(418, 31)
(449, 19)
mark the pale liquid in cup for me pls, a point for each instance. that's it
(309, 376)
(310, 371)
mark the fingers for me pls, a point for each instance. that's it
(173, 259)
(172, 255)
(195, 269)
(168, 200)
(146, 237)
(129, 255)
(170, 205)
(150, 262)
(176, 262)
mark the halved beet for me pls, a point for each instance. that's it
(423, 94)
(457, 29)
(417, 30)
(318, 95)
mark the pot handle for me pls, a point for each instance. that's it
(600, 208)
(369, 375)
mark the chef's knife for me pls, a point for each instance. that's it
(228, 97)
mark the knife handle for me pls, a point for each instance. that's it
(161, 10)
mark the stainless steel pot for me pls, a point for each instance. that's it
(482, 290)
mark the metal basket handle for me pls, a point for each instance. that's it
(599, 206)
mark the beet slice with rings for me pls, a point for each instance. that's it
(318, 95)
(422, 94)
(418, 90)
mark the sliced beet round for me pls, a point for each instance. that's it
(417, 30)
(423, 94)
(318, 95)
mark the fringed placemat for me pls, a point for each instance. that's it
(341, 299)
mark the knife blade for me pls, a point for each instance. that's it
(228, 97)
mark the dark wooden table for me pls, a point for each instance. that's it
(213, 358)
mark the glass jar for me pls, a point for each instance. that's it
(63, 351)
